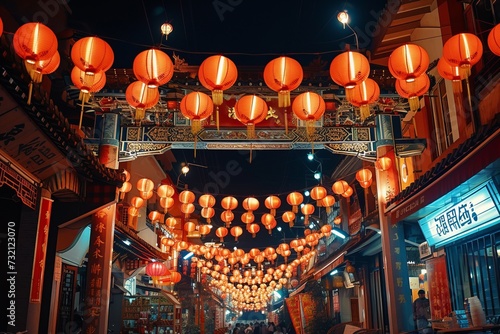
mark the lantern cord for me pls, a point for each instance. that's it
(286, 121)
(30, 91)
(217, 117)
(147, 20)
(81, 115)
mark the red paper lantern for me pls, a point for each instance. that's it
(247, 217)
(175, 277)
(383, 163)
(92, 54)
(227, 217)
(317, 194)
(42, 67)
(250, 204)
(408, 61)
(254, 229)
(348, 69)
(206, 200)
(250, 110)
(153, 67)
(236, 231)
(272, 203)
(295, 199)
(463, 50)
(87, 83)
(340, 187)
(196, 106)
(34, 41)
(348, 192)
(493, 40)
(413, 90)
(363, 95)
(156, 269)
(229, 203)
(288, 217)
(327, 202)
(283, 75)
(309, 107)
(363, 175)
(307, 210)
(450, 72)
(207, 213)
(140, 97)
(217, 73)
(221, 232)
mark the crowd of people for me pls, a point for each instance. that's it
(257, 328)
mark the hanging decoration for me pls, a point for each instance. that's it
(236, 231)
(349, 69)
(340, 187)
(463, 50)
(408, 62)
(363, 95)
(283, 75)
(493, 40)
(307, 210)
(327, 202)
(165, 193)
(34, 42)
(250, 110)
(288, 217)
(309, 107)
(221, 232)
(452, 73)
(141, 97)
(153, 67)
(217, 73)
(295, 199)
(318, 193)
(197, 107)
(272, 203)
(413, 90)
(39, 68)
(187, 197)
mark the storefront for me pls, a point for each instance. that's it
(457, 206)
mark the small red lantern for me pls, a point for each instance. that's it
(156, 269)
(87, 83)
(227, 217)
(272, 203)
(34, 41)
(250, 110)
(307, 210)
(247, 217)
(413, 90)
(236, 231)
(349, 69)
(141, 97)
(196, 106)
(309, 107)
(92, 54)
(363, 95)
(295, 199)
(283, 75)
(318, 193)
(221, 232)
(383, 163)
(450, 72)
(254, 229)
(250, 204)
(229, 203)
(340, 187)
(288, 217)
(327, 202)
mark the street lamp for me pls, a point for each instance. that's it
(343, 18)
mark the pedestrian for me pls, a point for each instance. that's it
(421, 312)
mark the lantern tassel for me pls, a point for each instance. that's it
(217, 117)
(457, 86)
(349, 94)
(364, 111)
(414, 103)
(286, 121)
(251, 131)
(284, 98)
(310, 129)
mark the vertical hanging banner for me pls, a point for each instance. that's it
(307, 308)
(293, 305)
(40, 250)
(439, 292)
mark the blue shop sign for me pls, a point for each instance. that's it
(475, 211)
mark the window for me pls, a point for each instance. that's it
(442, 134)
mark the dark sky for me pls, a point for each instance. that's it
(250, 32)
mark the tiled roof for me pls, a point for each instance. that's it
(450, 160)
(56, 127)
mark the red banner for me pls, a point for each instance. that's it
(439, 292)
(293, 305)
(40, 250)
(307, 307)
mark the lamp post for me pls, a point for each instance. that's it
(343, 18)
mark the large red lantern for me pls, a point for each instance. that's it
(141, 97)
(156, 269)
(87, 84)
(413, 90)
(272, 203)
(309, 107)
(250, 110)
(318, 193)
(295, 199)
(493, 40)
(217, 73)
(408, 61)
(153, 67)
(196, 106)
(363, 95)
(250, 204)
(463, 50)
(348, 69)
(340, 187)
(92, 54)
(283, 75)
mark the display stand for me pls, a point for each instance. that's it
(153, 314)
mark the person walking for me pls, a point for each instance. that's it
(421, 313)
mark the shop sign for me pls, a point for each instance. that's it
(476, 210)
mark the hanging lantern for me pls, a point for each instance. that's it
(39, 68)
(463, 50)
(187, 209)
(205, 229)
(165, 190)
(493, 40)
(340, 187)
(171, 222)
(309, 107)
(317, 194)
(166, 203)
(196, 106)
(227, 217)
(250, 204)
(283, 75)
(156, 269)
(383, 163)
(34, 42)
(452, 73)
(327, 202)
(145, 186)
(326, 230)
(189, 227)
(348, 69)
(348, 192)
(125, 188)
(217, 73)
(366, 184)
(408, 62)
(187, 197)
(206, 200)
(363, 95)
(250, 110)
(207, 213)
(337, 220)
(307, 210)
(247, 217)
(221, 232)
(236, 231)
(153, 67)
(229, 203)
(92, 54)
(363, 175)
(295, 199)
(413, 90)
(137, 202)
(1, 27)
(272, 203)
(140, 97)
(288, 217)
(87, 84)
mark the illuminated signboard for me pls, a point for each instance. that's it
(476, 210)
